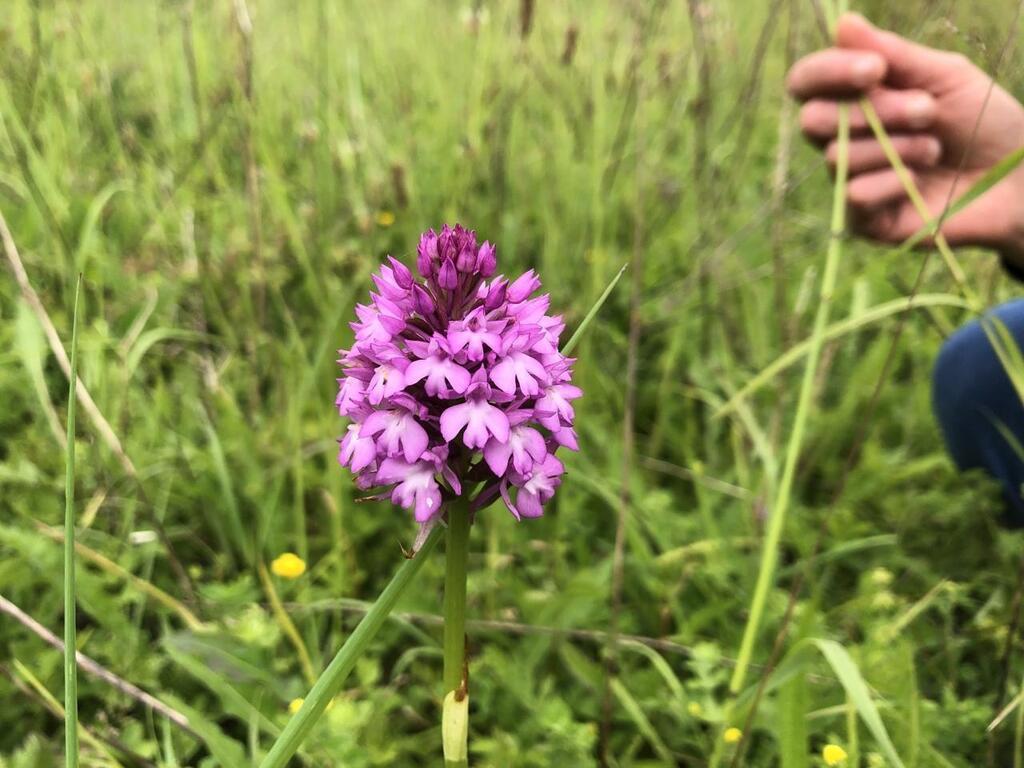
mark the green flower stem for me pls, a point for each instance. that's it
(330, 681)
(455, 677)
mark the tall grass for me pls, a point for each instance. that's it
(135, 148)
(70, 590)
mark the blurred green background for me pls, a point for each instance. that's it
(226, 175)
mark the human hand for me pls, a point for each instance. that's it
(929, 102)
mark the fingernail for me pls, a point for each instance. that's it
(934, 150)
(865, 71)
(919, 110)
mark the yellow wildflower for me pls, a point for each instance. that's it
(288, 566)
(881, 577)
(884, 600)
(385, 218)
(833, 754)
(295, 705)
(732, 735)
(695, 709)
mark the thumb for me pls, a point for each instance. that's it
(910, 65)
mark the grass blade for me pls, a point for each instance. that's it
(1018, 741)
(770, 553)
(330, 681)
(914, 194)
(70, 644)
(32, 350)
(51, 703)
(575, 338)
(836, 331)
(285, 622)
(643, 724)
(859, 695)
(107, 565)
(1006, 349)
(993, 176)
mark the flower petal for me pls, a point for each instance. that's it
(528, 504)
(504, 376)
(497, 423)
(414, 439)
(453, 420)
(497, 454)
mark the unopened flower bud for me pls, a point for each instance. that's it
(448, 277)
(466, 260)
(526, 284)
(496, 295)
(402, 274)
(424, 303)
(426, 253)
(486, 261)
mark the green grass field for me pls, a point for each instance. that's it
(226, 177)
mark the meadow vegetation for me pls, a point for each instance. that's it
(226, 176)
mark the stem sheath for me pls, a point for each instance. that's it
(455, 675)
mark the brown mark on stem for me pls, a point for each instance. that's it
(463, 690)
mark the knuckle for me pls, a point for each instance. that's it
(919, 146)
(813, 118)
(855, 196)
(924, 149)
(958, 61)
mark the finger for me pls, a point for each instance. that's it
(908, 64)
(835, 72)
(892, 223)
(874, 189)
(917, 150)
(910, 110)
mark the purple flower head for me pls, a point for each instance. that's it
(454, 383)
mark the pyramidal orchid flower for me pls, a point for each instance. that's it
(457, 395)
(455, 383)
